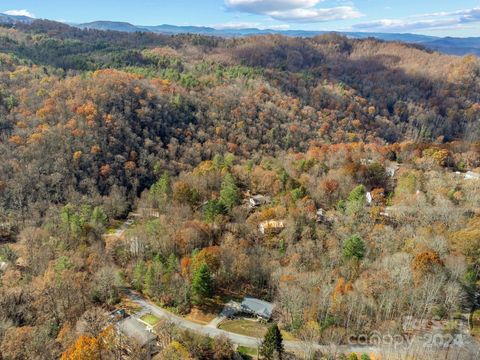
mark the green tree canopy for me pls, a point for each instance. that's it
(99, 218)
(202, 284)
(354, 248)
(162, 189)
(229, 193)
(272, 343)
(356, 200)
(212, 209)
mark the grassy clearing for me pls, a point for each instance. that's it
(244, 327)
(246, 352)
(250, 328)
(150, 319)
(114, 225)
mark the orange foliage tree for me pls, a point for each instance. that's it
(85, 348)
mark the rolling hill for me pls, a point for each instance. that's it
(448, 45)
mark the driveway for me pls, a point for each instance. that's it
(237, 339)
(466, 351)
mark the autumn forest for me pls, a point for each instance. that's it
(363, 157)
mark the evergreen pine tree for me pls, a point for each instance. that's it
(272, 343)
(172, 263)
(229, 193)
(149, 280)
(354, 248)
(201, 284)
(212, 209)
(161, 190)
(138, 275)
(99, 218)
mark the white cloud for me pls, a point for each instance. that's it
(23, 12)
(316, 15)
(440, 20)
(293, 10)
(265, 6)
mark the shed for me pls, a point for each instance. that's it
(257, 307)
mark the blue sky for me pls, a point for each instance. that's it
(433, 17)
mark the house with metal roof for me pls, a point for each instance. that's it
(256, 307)
(137, 331)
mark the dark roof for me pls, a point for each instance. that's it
(132, 328)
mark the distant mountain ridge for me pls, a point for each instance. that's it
(448, 45)
(12, 19)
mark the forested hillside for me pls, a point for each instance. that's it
(95, 124)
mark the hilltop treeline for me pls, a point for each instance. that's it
(104, 108)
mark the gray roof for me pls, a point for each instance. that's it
(257, 307)
(134, 329)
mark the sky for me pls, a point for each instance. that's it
(431, 17)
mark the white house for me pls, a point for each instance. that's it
(271, 227)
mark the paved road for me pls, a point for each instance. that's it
(237, 339)
(215, 323)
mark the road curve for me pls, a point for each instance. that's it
(236, 339)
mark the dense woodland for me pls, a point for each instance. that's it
(94, 125)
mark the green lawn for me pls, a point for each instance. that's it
(150, 319)
(246, 352)
(244, 327)
(250, 328)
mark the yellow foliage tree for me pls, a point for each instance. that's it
(175, 351)
(85, 348)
